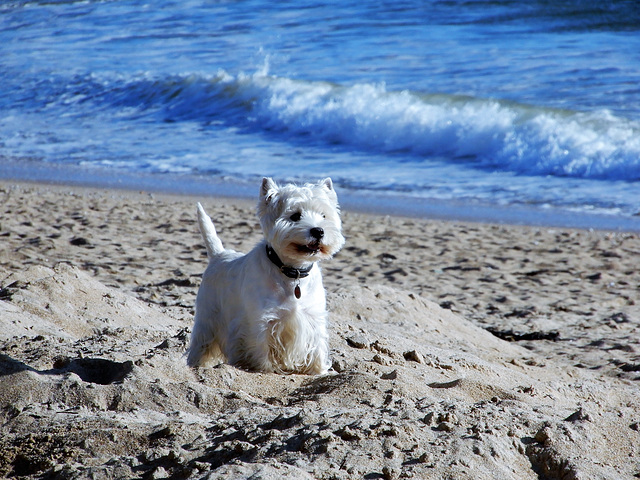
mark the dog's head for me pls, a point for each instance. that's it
(302, 224)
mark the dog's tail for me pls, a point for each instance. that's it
(209, 235)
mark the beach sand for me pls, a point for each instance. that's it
(460, 350)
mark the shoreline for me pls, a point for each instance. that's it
(357, 201)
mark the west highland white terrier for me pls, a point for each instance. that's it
(266, 310)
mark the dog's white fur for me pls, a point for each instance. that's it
(246, 310)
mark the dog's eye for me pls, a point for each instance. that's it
(296, 217)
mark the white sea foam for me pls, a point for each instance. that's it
(487, 133)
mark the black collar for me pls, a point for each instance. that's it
(290, 272)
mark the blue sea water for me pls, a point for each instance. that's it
(528, 109)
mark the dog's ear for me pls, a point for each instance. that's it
(331, 193)
(327, 183)
(268, 189)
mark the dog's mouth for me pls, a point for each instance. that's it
(310, 248)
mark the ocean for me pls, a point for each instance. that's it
(503, 110)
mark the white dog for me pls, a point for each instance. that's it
(266, 310)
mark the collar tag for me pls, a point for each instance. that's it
(291, 272)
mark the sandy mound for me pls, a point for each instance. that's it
(94, 385)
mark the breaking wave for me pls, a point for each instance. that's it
(490, 134)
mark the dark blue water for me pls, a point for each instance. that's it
(501, 105)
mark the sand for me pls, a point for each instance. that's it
(460, 350)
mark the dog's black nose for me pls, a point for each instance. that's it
(317, 233)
